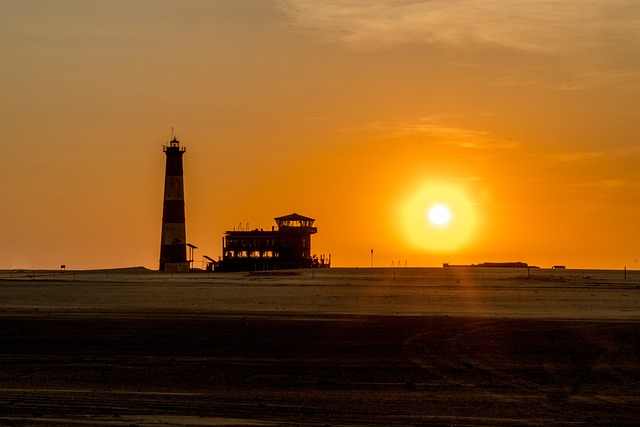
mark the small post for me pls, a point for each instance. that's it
(192, 249)
(371, 269)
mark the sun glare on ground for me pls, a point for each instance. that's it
(438, 218)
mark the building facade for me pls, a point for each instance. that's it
(285, 246)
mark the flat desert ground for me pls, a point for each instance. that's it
(330, 347)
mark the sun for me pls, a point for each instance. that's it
(439, 218)
(439, 215)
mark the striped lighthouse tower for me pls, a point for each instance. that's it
(173, 244)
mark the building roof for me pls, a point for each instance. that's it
(294, 217)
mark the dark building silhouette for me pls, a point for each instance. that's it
(285, 247)
(492, 265)
(173, 249)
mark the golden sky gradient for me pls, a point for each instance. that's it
(522, 116)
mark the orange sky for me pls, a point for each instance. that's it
(522, 116)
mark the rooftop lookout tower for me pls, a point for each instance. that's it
(296, 223)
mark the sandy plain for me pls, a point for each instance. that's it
(339, 347)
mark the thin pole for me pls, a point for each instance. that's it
(371, 269)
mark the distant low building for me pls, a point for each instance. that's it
(286, 246)
(493, 265)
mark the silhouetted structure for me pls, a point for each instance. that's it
(288, 246)
(173, 249)
(493, 265)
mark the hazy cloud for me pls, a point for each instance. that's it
(436, 128)
(606, 186)
(615, 183)
(543, 25)
(580, 156)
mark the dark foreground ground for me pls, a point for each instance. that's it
(152, 369)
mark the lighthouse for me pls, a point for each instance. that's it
(173, 243)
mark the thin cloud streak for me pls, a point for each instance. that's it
(434, 128)
(579, 156)
(539, 25)
(587, 156)
(605, 187)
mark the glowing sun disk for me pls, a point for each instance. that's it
(438, 218)
(439, 215)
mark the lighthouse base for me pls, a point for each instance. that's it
(176, 267)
